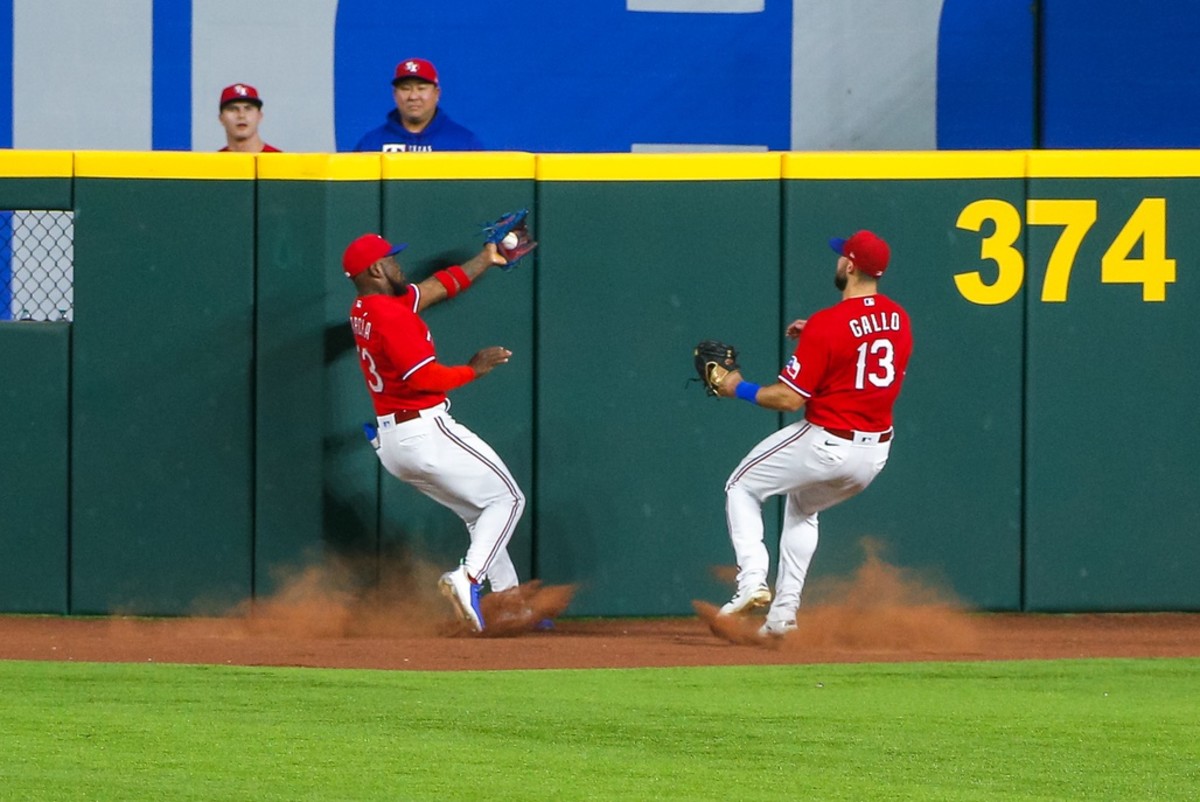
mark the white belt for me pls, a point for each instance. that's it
(860, 438)
(396, 418)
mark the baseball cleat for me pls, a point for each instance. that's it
(747, 599)
(457, 586)
(776, 629)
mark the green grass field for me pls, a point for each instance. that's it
(1037, 730)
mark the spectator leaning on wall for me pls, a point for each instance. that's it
(417, 124)
(240, 114)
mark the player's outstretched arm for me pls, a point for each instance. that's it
(450, 282)
(483, 362)
(480, 262)
(777, 396)
(434, 377)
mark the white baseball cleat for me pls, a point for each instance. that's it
(457, 586)
(747, 599)
(776, 629)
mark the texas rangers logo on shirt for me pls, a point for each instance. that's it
(792, 368)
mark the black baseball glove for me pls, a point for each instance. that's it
(511, 236)
(714, 362)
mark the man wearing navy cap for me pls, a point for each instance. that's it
(417, 124)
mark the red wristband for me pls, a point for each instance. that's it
(460, 276)
(448, 281)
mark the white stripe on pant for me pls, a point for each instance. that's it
(453, 466)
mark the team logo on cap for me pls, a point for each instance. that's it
(412, 66)
(241, 90)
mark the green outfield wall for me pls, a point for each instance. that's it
(162, 403)
(642, 256)
(316, 485)
(35, 410)
(194, 437)
(1112, 517)
(34, 406)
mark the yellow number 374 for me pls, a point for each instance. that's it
(1148, 224)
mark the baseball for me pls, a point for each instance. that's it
(510, 240)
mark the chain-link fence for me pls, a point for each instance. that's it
(37, 265)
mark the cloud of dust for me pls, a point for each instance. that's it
(396, 598)
(879, 608)
(883, 606)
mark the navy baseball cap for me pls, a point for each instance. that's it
(366, 251)
(868, 251)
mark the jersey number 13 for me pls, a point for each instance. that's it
(876, 364)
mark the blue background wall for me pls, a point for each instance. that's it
(1068, 74)
(986, 75)
(1120, 75)
(548, 76)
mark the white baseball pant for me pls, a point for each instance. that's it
(814, 470)
(453, 466)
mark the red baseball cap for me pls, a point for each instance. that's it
(416, 68)
(366, 251)
(244, 92)
(869, 252)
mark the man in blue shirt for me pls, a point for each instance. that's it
(417, 124)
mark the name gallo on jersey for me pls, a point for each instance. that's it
(875, 323)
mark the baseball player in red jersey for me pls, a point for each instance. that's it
(240, 113)
(418, 441)
(846, 373)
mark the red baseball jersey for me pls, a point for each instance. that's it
(393, 344)
(850, 362)
(266, 149)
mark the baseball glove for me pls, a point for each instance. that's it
(714, 361)
(512, 223)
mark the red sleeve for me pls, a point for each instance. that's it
(806, 368)
(438, 378)
(404, 336)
